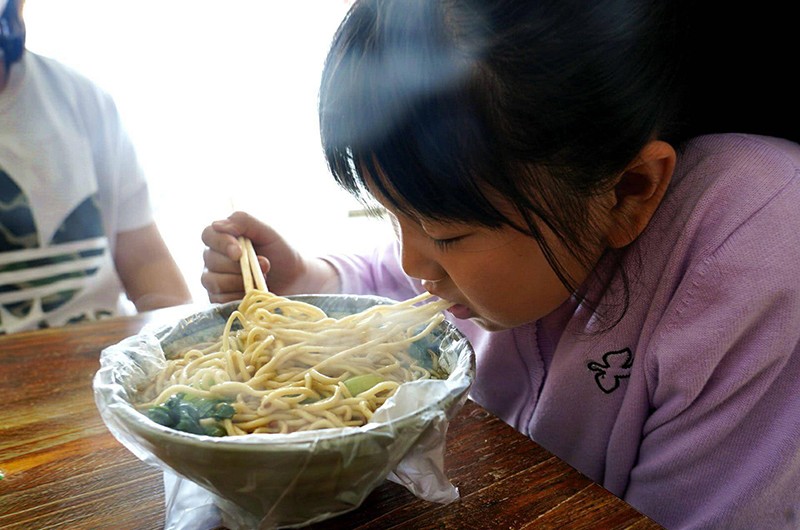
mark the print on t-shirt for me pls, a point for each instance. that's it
(37, 279)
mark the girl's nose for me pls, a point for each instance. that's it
(417, 264)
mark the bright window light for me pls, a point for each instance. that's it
(220, 101)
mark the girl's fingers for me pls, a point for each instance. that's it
(222, 277)
(220, 241)
(222, 287)
(216, 262)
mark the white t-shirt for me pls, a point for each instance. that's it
(69, 182)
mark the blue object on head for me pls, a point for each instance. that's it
(12, 32)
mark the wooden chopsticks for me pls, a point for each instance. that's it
(251, 272)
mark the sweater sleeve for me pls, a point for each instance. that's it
(379, 273)
(721, 446)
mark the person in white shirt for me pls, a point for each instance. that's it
(77, 233)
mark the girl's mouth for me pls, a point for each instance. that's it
(460, 311)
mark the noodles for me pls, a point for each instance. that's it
(291, 367)
(284, 365)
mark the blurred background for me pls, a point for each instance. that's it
(220, 101)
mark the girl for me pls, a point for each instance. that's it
(631, 293)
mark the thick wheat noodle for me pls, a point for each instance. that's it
(285, 369)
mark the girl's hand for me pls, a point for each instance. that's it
(286, 270)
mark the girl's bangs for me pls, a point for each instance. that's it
(430, 158)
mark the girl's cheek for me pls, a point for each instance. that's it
(514, 299)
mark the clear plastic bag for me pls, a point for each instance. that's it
(284, 480)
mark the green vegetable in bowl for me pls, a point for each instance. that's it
(362, 383)
(192, 414)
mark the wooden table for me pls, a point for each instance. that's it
(63, 469)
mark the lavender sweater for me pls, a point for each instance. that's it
(689, 408)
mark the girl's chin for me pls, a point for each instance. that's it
(463, 312)
(489, 325)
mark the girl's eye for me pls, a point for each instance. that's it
(444, 244)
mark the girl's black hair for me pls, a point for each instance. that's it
(540, 102)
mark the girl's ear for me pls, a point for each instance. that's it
(639, 191)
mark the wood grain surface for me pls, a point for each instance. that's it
(64, 470)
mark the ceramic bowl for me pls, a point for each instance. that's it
(288, 479)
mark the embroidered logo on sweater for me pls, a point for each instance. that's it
(616, 366)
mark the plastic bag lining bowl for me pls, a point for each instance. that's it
(281, 480)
